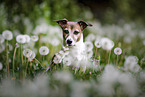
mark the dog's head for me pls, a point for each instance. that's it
(72, 31)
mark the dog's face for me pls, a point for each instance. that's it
(72, 31)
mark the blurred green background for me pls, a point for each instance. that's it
(13, 12)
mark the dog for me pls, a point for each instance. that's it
(72, 37)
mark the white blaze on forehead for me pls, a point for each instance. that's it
(66, 29)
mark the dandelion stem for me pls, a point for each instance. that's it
(26, 67)
(95, 57)
(109, 56)
(21, 54)
(117, 60)
(96, 52)
(7, 57)
(14, 61)
(99, 63)
(25, 53)
(39, 63)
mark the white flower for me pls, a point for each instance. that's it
(2, 48)
(43, 50)
(89, 54)
(117, 51)
(27, 38)
(88, 45)
(130, 64)
(90, 37)
(54, 41)
(1, 66)
(7, 35)
(27, 53)
(107, 44)
(98, 44)
(57, 59)
(1, 39)
(34, 38)
(33, 55)
(131, 59)
(67, 61)
(20, 39)
(134, 68)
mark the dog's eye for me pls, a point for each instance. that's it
(66, 31)
(76, 32)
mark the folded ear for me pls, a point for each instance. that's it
(62, 22)
(84, 24)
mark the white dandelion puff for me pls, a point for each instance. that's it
(1, 39)
(67, 61)
(107, 44)
(27, 38)
(118, 51)
(90, 37)
(33, 55)
(1, 66)
(88, 45)
(54, 41)
(98, 44)
(89, 54)
(27, 53)
(7, 35)
(20, 39)
(57, 59)
(34, 38)
(2, 48)
(43, 50)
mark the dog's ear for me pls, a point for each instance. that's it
(84, 24)
(62, 22)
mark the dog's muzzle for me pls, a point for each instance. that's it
(69, 42)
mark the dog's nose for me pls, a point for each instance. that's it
(69, 41)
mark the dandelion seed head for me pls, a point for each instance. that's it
(54, 41)
(57, 59)
(27, 38)
(1, 66)
(2, 48)
(67, 61)
(7, 35)
(33, 55)
(34, 38)
(98, 44)
(43, 50)
(88, 45)
(107, 44)
(20, 39)
(90, 37)
(1, 39)
(118, 51)
(27, 53)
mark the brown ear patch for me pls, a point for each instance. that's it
(83, 24)
(62, 22)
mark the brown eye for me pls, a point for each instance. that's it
(76, 32)
(66, 31)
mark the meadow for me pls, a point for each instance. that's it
(112, 66)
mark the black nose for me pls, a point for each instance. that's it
(69, 41)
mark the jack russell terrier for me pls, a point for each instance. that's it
(72, 37)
